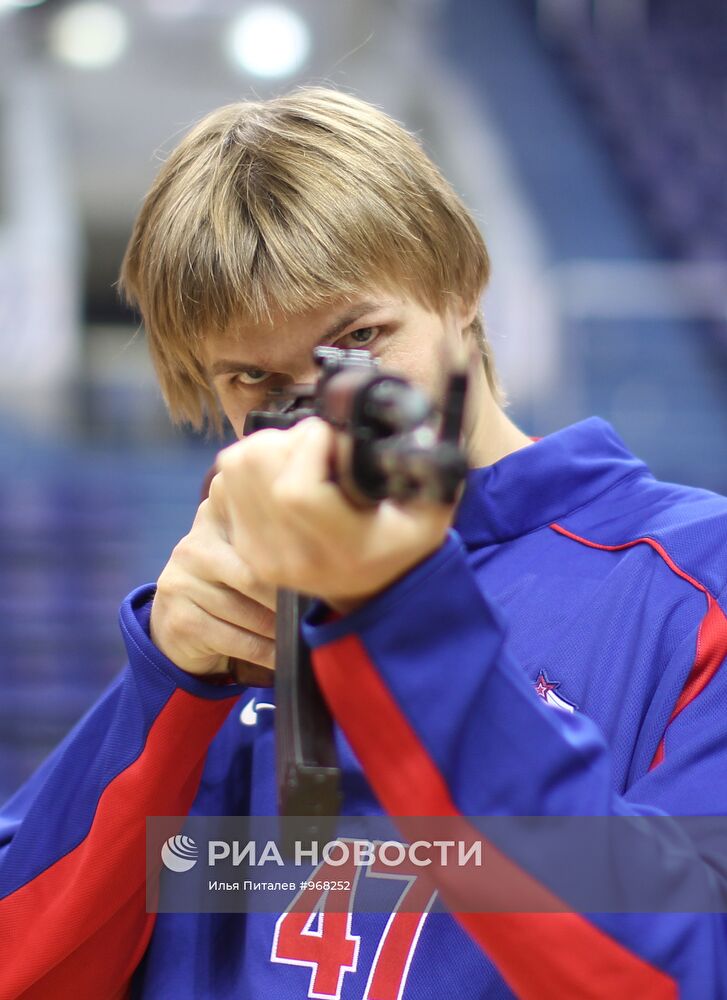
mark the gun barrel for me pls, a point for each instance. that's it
(391, 444)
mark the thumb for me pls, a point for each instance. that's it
(312, 456)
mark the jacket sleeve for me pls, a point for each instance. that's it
(73, 917)
(460, 733)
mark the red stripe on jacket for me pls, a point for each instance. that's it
(566, 955)
(91, 903)
(711, 638)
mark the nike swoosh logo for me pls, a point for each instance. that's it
(248, 715)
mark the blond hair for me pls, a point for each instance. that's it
(289, 204)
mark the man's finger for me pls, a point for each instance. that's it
(214, 560)
(231, 606)
(238, 643)
(312, 453)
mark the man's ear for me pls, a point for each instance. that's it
(466, 312)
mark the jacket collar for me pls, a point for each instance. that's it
(539, 484)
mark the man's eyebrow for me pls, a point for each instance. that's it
(356, 312)
(226, 366)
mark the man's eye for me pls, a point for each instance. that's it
(250, 376)
(364, 337)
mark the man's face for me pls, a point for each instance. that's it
(245, 364)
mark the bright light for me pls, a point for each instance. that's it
(8, 5)
(269, 40)
(21, 3)
(89, 35)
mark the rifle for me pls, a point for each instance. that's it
(393, 444)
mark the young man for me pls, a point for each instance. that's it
(558, 651)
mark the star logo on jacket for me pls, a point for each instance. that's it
(545, 689)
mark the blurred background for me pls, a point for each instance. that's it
(589, 138)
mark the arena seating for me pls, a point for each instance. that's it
(660, 98)
(79, 528)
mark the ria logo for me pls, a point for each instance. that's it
(179, 853)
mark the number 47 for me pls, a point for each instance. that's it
(313, 932)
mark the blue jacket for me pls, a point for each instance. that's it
(562, 654)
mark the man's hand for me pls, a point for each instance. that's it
(294, 528)
(210, 611)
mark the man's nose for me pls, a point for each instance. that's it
(301, 379)
(306, 373)
(292, 393)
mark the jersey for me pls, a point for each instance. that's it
(563, 653)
